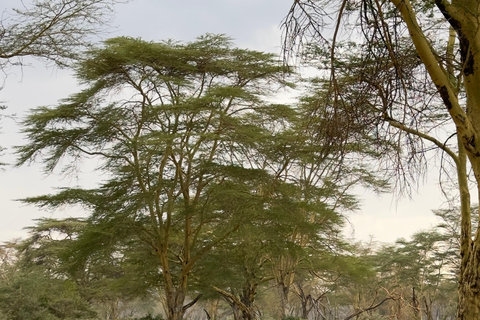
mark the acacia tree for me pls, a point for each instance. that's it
(412, 68)
(180, 131)
(418, 271)
(50, 30)
(256, 255)
(33, 290)
(303, 217)
(247, 270)
(106, 277)
(325, 167)
(55, 31)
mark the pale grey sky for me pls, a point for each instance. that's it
(253, 24)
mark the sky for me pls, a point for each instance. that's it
(252, 24)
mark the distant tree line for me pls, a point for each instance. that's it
(44, 277)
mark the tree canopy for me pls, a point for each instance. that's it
(195, 157)
(55, 31)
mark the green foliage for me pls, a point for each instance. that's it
(51, 30)
(184, 154)
(72, 250)
(201, 173)
(32, 293)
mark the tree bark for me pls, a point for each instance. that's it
(245, 303)
(174, 294)
(415, 305)
(175, 299)
(283, 291)
(304, 300)
(463, 17)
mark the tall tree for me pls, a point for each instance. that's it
(180, 132)
(108, 273)
(55, 31)
(301, 215)
(35, 291)
(418, 271)
(50, 30)
(412, 68)
(324, 167)
(256, 254)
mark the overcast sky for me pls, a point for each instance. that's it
(253, 24)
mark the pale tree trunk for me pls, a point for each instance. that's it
(397, 310)
(175, 299)
(466, 299)
(428, 308)
(283, 300)
(112, 313)
(469, 281)
(304, 300)
(243, 306)
(463, 17)
(175, 303)
(248, 299)
(211, 309)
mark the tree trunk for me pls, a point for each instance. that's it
(304, 300)
(284, 275)
(466, 302)
(469, 298)
(463, 17)
(469, 284)
(469, 281)
(284, 290)
(211, 308)
(175, 294)
(415, 305)
(175, 300)
(244, 303)
(248, 299)
(112, 311)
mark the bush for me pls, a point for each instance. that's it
(150, 317)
